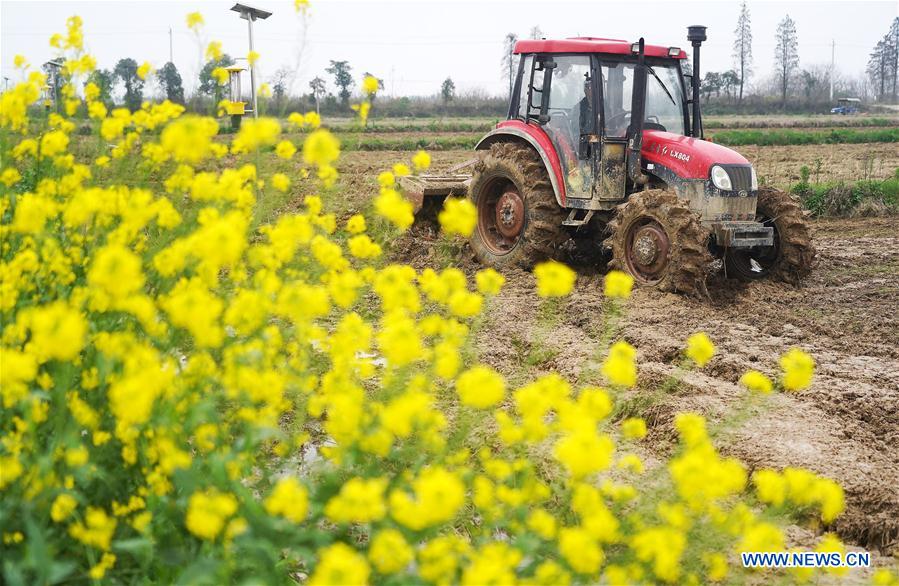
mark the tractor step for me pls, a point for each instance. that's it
(573, 220)
(419, 188)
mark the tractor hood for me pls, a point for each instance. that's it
(688, 158)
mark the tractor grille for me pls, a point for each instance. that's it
(740, 176)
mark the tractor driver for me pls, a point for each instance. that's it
(580, 125)
(581, 113)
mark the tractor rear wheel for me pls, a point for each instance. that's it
(658, 240)
(519, 221)
(791, 258)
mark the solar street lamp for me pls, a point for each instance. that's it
(251, 14)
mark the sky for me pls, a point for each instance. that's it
(414, 45)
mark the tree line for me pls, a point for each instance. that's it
(803, 83)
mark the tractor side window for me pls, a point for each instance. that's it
(571, 97)
(525, 80)
(617, 91)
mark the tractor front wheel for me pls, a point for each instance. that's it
(656, 238)
(519, 221)
(791, 258)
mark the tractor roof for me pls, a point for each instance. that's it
(592, 45)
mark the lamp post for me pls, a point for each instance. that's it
(250, 14)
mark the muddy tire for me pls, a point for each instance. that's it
(657, 239)
(793, 256)
(519, 220)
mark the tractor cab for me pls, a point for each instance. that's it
(584, 93)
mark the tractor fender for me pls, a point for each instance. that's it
(536, 137)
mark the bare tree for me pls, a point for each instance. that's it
(280, 81)
(536, 33)
(743, 47)
(786, 55)
(510, 60)
(814, 83)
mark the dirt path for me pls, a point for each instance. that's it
(846, 426)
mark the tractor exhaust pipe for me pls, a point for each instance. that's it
(696, 35)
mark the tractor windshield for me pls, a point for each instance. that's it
(664, 97)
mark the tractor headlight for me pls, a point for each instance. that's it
(754, 185)
(721, 179)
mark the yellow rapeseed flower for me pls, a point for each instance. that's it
(554, 279)
(489, 281)
(289, 499)
(356, 224)
(633, 428)
(214, 51)
(798, 369)
(618, 285)
(391, 205)
(195, 21)
(619, 367)
(580, 550)
(321, 148)
(252, 57)
(458, 216)
(481, 387)
(370, 84)
(208, 511)
(339, 564)
(360, 500)
(389, 552)
(421, 161)
(220, 75)
(10, 177)
(281, 182)
(144, 70)
(756, 381)
(62, 507)
(700, 348)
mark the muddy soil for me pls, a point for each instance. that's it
(846, 426)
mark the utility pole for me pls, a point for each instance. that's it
(250, 14)
(833, 50)
(171, 46)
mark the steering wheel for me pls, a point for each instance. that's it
(619, 121)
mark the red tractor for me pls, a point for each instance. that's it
(604, 140)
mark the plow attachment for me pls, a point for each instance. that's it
(428, 192)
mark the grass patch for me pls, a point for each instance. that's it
(767, 122)
(797, 137)
(862, 198)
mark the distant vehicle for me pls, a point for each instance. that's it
(846, 106)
